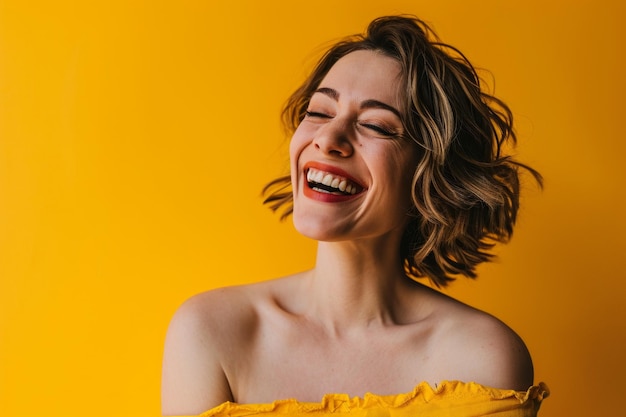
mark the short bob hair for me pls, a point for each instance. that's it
(465, 191)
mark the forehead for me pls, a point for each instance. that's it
(365, 75)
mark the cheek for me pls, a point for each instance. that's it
(399, 160)
(401, 166)
(300, 140)
(297, 142)
(296, 146)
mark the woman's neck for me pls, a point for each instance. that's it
(356, 284)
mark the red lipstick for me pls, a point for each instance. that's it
(324, 192)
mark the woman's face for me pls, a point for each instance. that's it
(351, 167)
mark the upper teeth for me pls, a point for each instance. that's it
(331, 180)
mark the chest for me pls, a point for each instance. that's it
(306, 365)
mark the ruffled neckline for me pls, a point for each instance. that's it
(423, 393)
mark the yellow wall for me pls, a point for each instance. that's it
(135, 137)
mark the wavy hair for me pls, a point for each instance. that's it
(465, 189)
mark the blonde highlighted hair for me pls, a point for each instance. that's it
(465, 189)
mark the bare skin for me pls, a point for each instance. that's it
(354, 323)
(276, 340)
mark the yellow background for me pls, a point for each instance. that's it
(135, 137)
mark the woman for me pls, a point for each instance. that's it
(397, 171)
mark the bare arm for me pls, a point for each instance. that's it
(193, 379)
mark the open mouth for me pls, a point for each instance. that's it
(325, 182)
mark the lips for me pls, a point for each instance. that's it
(327, 183)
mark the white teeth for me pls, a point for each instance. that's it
(342, 184)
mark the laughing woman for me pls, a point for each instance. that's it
(398, 171)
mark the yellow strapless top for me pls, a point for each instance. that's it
(448, 399)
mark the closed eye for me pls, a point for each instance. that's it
(316, 115)
(378, 129)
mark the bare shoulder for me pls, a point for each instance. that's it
(215, 310)
(481, 348)
(199, 338)
(207, 334)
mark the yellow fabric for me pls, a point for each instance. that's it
(448, 399)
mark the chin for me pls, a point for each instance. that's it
(317, 228)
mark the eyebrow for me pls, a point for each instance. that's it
(367, 104)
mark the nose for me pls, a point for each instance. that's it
(334, 138)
